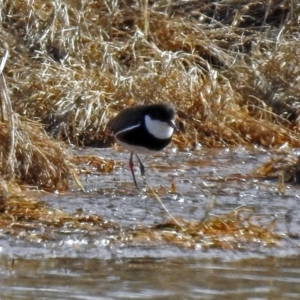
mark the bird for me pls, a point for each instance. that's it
(143, 129)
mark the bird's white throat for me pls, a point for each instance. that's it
(159, 129)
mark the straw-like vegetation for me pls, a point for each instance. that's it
(230, 231)
(230, 67)
(33, 221)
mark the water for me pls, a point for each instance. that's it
(93, 264)
(152, 278)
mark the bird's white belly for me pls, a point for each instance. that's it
(136, 149)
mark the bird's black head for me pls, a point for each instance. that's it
(159, 120)
(161, 112)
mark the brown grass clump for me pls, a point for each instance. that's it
(284, 167)
(35, 159)
(31, 220)
(90, 163)
(27, 153)
(234, 230)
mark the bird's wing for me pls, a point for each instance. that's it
(126, 118)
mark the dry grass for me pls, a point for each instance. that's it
(230, 67)
(27, 152)
(35, 159)
(235, 230)
(32, 221)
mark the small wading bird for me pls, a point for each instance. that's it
(144, 129)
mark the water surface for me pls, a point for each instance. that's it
(85, 264)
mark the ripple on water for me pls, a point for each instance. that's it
(86, 263)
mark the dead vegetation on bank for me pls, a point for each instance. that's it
(231, 69)
(32, 221)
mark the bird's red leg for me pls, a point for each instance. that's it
(131, 166)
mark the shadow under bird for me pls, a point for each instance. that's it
(143, 129)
